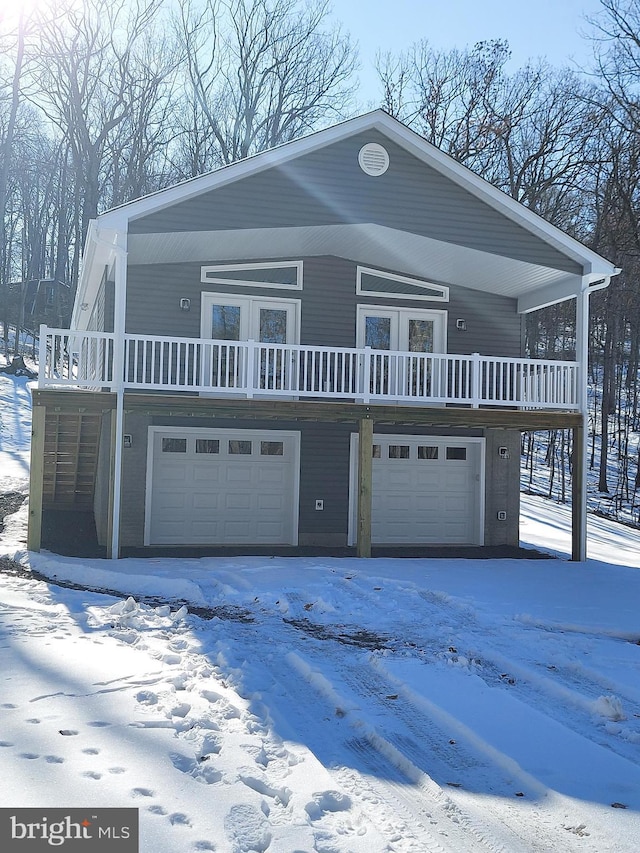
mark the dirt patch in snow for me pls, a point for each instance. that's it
(10, 502)
(342, 634)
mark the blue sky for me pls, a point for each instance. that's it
(533, 28)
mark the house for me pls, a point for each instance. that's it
(320, 346)
(38, 300)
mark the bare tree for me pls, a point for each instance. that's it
(86, 79)
(262, 72)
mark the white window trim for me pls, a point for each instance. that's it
(206, 432)
(245, 319)
(414, 282)
(363, 310)
(209, 274)
(441, 441)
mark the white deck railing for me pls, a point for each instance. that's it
(252, 369)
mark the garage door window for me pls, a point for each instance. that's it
(271, 448)
(427, 452)
(242, 448)
(174, 445)
(398, 451)
(207, 445)
(458, 453)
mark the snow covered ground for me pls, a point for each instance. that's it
(328, 705)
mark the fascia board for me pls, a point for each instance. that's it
(98, 253)
(550, 294)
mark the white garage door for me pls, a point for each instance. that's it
(426, 490)
(225, 487)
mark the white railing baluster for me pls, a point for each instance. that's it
(86, 359)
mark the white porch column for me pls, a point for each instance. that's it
(579, 472)
(119, 247)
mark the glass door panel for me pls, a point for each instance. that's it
(272, 325)
(417, 379)
(377, 332)
(420, 335)
(225, 322)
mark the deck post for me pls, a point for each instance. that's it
(365, 466)
(36, 477)
(578, 497)
(113, 438)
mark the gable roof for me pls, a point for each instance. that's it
(552, 274)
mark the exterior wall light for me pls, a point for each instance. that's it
(461, 325)
(185, 304)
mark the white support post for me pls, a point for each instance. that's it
(250, 372)
(475, 380)
(43, 367)
(579, 478)
(366, 376)
(120, 300)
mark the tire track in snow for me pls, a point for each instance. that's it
(414, 750)
(456, 634)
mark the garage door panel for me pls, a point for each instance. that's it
(205, 501)
(223, 497)
(241, 473)
(205, 474)
(426, 498)
(172, 501)
(241, 501)
(177, 476)
(272, 475)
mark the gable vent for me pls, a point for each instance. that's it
(373, 159)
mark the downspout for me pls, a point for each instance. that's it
(118, 246)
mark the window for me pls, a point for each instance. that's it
(174, 445)
(241, 448)
(271, 448)
(398, 451)
(286, 274)
(427, 451)
(459, 453)
(207, 445)
(371, 282)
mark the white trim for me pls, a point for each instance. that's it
(437, 314)
(297, 265)
(206, 432)
(440, 439)
(414, 282)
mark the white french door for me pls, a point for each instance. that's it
(227, 317)
(401, 330)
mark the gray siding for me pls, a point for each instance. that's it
(502, 487)
(134, 481)
(328, 306)
(102, 312)
(324, 474)
(327, 187)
